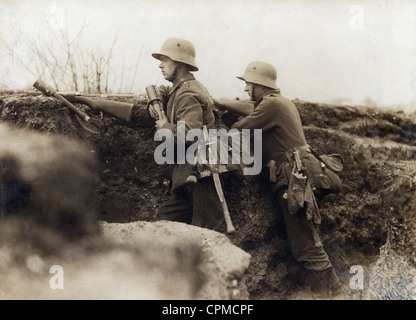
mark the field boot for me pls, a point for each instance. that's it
(321, 284)
(336, 286)
(325, 284)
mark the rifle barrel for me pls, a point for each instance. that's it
(240, 107)
(99, 95)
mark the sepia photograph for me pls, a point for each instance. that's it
(221, 152)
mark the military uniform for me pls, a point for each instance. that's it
(282, 131)
(196, 203)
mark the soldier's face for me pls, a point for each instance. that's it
(168, 67)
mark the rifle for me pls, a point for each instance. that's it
(242, 108)
(120, 110)
(217, 182)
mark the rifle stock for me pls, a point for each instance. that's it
(242, 108)
(120, 110)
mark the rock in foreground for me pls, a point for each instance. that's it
(140, 261)
(52, 245)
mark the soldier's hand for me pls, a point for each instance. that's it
(153, 112)
(159, 123)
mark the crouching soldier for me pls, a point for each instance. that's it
(282, 131)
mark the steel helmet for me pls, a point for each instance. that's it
(179, 50)
(260, 73)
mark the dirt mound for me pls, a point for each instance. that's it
(137, 260)
(49, 224)
(393, 275)
(353, 229)
(220, 263)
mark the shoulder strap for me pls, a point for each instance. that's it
(316, 154)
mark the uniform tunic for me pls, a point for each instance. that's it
(189, 101)
(282, 130)
(280, 123)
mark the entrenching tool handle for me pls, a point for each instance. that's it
(228, 222)
(81, 114)
(218, 187)
(154, 99)
(227, 217)
(49, 91)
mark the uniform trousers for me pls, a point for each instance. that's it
(195, 203)
(303, 237)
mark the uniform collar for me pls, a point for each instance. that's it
(268, 92)
(178, 82)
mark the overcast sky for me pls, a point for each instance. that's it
(324, 51)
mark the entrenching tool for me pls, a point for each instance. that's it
(50, 92)
(215, 175)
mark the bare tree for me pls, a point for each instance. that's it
(67, 64)
(135, 70)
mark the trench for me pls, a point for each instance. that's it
(132, 186)
(353, 227)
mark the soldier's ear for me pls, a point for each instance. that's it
(183, 67)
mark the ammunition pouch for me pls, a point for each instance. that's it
(321, 170)
(305, 176)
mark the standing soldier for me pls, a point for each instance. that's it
(193, 196)
(191, 200)
(282, 131)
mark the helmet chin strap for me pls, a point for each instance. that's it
(258, 90)
(175, 74)
(251, 92)
(179, 71)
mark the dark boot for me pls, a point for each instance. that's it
(336, 285)
(325, 284)
(321, 284)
